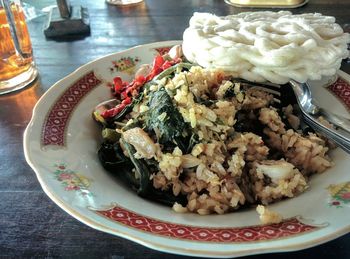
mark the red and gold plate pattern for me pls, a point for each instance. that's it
(341, 89)
(287, 228)
(57, 119)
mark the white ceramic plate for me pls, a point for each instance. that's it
(61, 141)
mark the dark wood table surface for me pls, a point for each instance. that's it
(31, 225)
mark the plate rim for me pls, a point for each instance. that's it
(153, 244)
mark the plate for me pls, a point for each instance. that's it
(61, 142)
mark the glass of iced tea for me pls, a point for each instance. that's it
(17, 68)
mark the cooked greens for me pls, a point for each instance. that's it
(167, 121)
(163, 120)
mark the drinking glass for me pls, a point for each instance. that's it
(17, 68)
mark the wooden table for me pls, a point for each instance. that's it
(31, 225)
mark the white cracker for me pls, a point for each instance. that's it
(267, 46)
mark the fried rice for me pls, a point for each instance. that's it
(247, 149)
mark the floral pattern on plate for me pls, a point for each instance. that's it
(125, 64)
(340, 194)
(71, 180)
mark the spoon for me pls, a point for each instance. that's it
(304, 98)
(311, 113)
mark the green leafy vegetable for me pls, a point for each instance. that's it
(121, 115)
(114, 161)
(146, 188)
(173, 69)
(110, 135)
(163, 117)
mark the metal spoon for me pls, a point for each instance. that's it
(308, 106)
(311, 112)
(329, 133)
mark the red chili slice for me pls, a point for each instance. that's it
(118, 84)
(113, 112)
(166, 65)
(127, 100)
(126, 91)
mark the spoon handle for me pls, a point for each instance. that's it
(308, 106)
(335, 119)
(338, 138)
